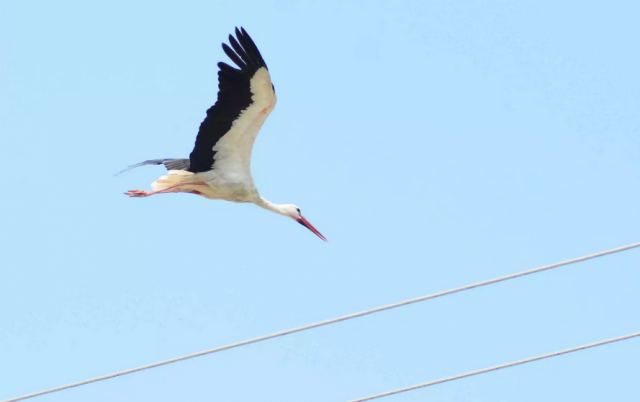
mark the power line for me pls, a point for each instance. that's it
(327, 322)
(498, 367)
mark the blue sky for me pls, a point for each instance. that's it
(434, 143)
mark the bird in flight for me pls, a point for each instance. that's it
(219, 167)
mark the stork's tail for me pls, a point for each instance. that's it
(170, 164)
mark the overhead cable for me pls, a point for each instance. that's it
(327, 322)
(495, 368)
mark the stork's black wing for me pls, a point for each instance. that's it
(238, 90)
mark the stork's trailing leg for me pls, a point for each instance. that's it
(160, 188)
(142, 193)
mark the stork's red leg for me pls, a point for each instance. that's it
(172, 189)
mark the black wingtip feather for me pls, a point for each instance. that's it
(244, 52)
(249, 45)
(233, 56)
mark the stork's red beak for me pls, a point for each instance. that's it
(304, 222)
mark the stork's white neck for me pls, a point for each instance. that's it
(282, 209)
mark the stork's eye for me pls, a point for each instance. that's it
(298, 209)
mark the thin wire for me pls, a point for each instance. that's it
(325, 322)
(498, 367)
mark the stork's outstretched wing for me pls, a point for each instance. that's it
(245, 99)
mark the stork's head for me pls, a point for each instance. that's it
(293, 211)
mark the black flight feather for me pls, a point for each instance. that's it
(234, 96)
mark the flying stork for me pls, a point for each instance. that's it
(219, 167)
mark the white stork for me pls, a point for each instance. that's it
(219, 167)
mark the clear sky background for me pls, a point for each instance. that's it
(435, 143)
